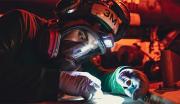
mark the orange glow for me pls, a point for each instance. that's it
(145, 48)
(130, 1)
(124, 42)
(135, 19)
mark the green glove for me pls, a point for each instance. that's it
(127, 81)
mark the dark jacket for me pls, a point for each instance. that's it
(24, 43)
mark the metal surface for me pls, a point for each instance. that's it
(105, 99)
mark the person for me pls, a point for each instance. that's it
(40, 59)
(123, 80)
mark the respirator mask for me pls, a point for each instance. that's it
(80, 43)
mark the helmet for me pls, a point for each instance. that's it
(112, 16)
(88, 27)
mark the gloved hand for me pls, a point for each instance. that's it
(134, 82)
(79, 84)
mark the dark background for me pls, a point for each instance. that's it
(43, 8)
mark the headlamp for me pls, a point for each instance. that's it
(108, 41)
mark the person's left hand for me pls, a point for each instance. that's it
(79, 84)
(134, 82)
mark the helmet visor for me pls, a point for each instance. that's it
(80, 42)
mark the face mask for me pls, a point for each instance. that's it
(80, 43)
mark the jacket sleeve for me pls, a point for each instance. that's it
(23, 76)
(19, 27)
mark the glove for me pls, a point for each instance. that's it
(79, 84)
(134, 82)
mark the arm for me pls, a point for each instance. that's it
(22, 75)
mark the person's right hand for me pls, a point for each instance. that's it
(79, 84)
